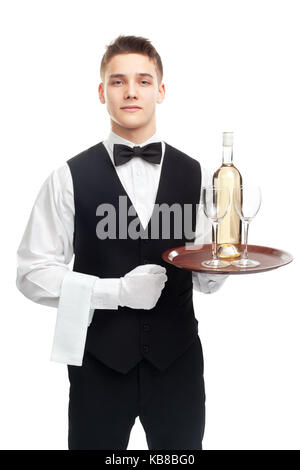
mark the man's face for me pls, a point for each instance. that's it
(135, 85)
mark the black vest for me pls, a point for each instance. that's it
(121, 338)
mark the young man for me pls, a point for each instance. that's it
(125, 322)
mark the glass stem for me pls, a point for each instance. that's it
(246, 226)
(214, 245)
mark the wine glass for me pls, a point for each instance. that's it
(247, 201)
(215, 205)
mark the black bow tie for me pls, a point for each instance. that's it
(151, 153)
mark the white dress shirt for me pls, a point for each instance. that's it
(46, 250)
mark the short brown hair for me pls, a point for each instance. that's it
(133, 45)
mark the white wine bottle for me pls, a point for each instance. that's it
(230, 228)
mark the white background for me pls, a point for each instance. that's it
(228, 66)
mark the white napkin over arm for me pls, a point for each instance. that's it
(73, 318)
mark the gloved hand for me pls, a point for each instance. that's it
(208, 283)
(141, 287)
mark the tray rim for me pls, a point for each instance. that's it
(206, 246)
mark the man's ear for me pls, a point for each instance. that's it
(161, 93)
(101, 93)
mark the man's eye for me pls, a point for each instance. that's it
(119, 81)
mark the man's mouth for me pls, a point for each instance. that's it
(131, 108)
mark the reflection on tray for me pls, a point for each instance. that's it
(191, 247)
(172, 255)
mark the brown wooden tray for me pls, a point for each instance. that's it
(190, 257)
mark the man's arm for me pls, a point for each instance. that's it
(204, 282)
(43, 275)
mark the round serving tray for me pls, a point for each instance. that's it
(190, 257)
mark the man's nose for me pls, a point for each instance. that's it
(131, 91)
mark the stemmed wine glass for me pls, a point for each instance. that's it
(215, 205)
(246, 202)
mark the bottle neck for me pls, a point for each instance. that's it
(227, 156)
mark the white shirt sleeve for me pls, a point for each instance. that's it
(205, 282)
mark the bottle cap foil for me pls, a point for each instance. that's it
(227, 139)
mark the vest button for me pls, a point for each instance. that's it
(146, 348)
(146, 261)
(146, 327)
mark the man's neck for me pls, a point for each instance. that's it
(136, 136)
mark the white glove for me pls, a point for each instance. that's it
(141, 287)
(208, 283)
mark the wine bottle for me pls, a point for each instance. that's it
(230, 228)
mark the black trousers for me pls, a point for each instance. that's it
(104, 403)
